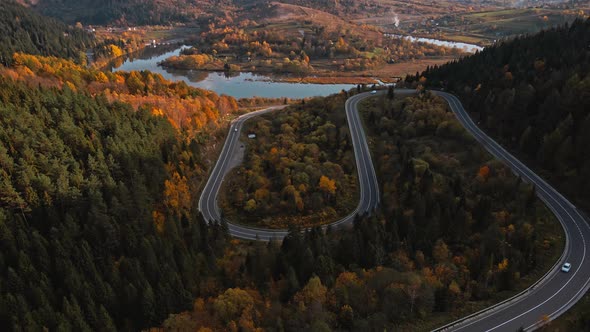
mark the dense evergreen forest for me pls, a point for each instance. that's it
(299, 170)
(532, 94)
(98, 175)
(81, 248)
(25, 31)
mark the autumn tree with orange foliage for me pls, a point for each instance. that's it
(484, 172)
(327, 186)
(188, 109)
(177, 196)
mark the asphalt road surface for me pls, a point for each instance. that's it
(557, 291)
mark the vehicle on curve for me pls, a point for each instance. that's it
(566, 267)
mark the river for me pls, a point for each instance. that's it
(240, 85)
(247, 85)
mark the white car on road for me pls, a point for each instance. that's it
(566, 267)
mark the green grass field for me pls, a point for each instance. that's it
(482, 26)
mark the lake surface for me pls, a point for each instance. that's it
(471, 48)
(240, 85)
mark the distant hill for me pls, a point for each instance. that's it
(149, 12)
(133, 12)
(26, 31)
(281, 13)
(163, 12)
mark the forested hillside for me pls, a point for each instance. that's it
(189, 109)
(532, 93)
(98, 176)
(86, 242)
(456, 231)
(25, 31)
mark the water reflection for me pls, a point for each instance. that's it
(236, 84)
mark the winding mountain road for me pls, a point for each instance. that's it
(545, 300)
(369, 188)
(556, 291)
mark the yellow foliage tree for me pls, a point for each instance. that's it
(101, 77)
(313, 293)
(115, 51)
(440, 251)
(261, 194)
(177, 195)
(299, 202)
(158, 221)
(250, 205)
(327, 185)
(157, 111)
(503, 265)
(233, 304)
